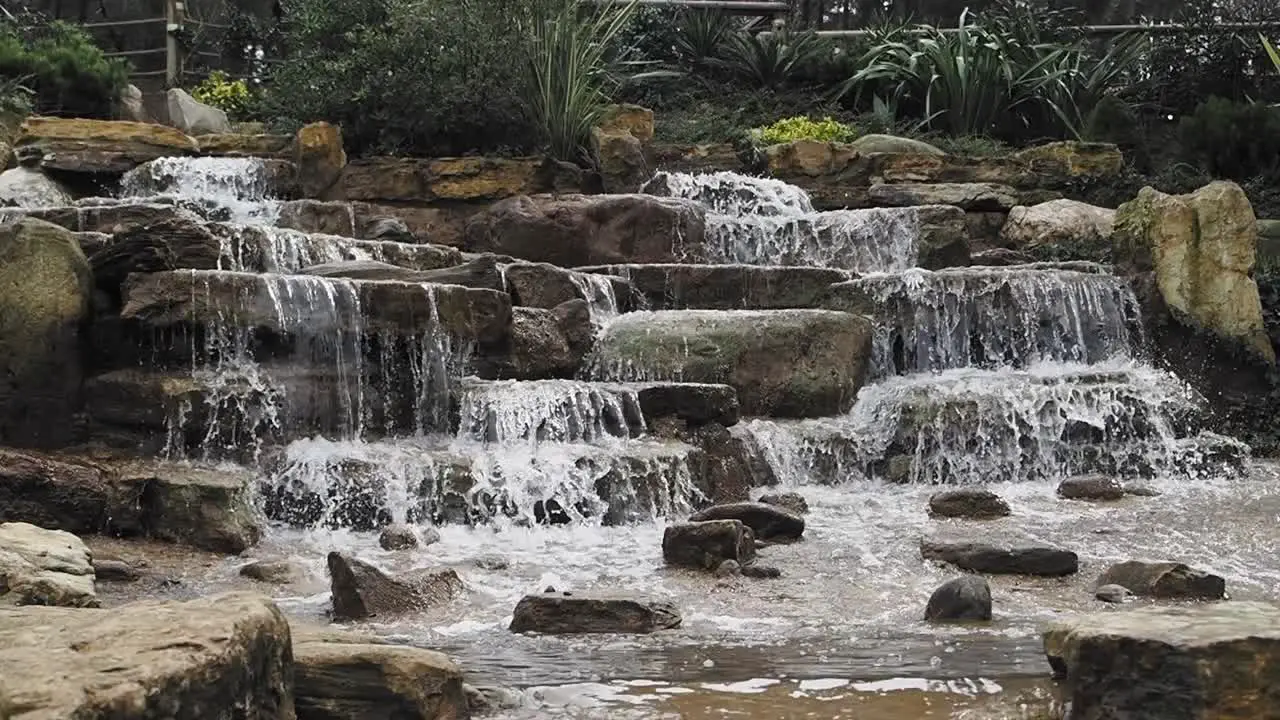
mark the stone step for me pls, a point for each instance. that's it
(726, 287)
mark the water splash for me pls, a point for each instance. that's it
(878, 240)
(980, 426)
(548, 411)
(729, 193)
(600, 294)
(991, 317)
(231, 189)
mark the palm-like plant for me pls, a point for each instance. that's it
(767, 61)
(1272, 52)
(701, 35)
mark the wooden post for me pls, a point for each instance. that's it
(173, 16)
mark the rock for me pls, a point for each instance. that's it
(44, 567)
(873, 143)
(782, 363)
(492, 563)
(538, 349)
(114, 571)
(769, 523)
(1002, 559)
(574, 319)
(967, 196)
(241, 145)
(573, 230)
(480, 272)
(1164, 581)
(621, 162)
(46, 290)
(28, 187)
(791, 502)
(729, 568)
(560, 614)
(633, 120)
(391, 229)
(1070, 160)
(66, 495)
(1170, 663)
(464, 179)
(732, 463)
(361, 591)
(1001, 257)
(320, 158)
(205, 508)
(181, 241)
(112, 218)
(761, 572)
(1201, 248)
(403, 537)
(98, 147)
(944, 237)
(276, 572)
(1084, 229)
(410, 256)
(214, 658)
(970, 503)
(1091, 487)
(543, 285)
(130, 106)
(340, 676)
(1141, 491)
(964, 598)
(194, 117)
(1112, 593)
(726, 287)
(704, 545)
(694, 403)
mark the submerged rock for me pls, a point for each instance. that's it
(1206, 662)
(361, 590)
(278, 572)
(404, 537)
(971, 503)
(1165, 581)
(705, 545)
(791, 502)
(560, 613)
(44, 567)
(1112, 593)
(1091, 487)
(964, 598)
(728, 568)
(340, 676)
(769, 523)
(761, 572)
(1002, 559)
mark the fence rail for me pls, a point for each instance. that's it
(1093, 30)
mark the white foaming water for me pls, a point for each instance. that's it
(252, 248)
(548, 411)
(231, 189)
(729, 193)
(980, 426)
(599, 292)
(991, 317)
(865, 241)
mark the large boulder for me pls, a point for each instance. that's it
(1164, 580)
(66, 495)
(209, 509)
(571, 613)
(767, 522)
(705, 545)
(45, 295)
(341, 676)
(573, 230)
(538, 349)
(621, 161)
(194, 117)
(1002, 559)
(221, 658)
(320, 158)
(44, 567)
(1209, 662)
(966, 196)
(361, 590)
(1201, 249)
(784, 363)
(964, 598)
(28, 187)
(98, 147)
(1078, 228)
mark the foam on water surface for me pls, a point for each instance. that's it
(231, 189)
(730, 193)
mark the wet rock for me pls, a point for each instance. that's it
(546, 286)
(729, 568)
(1091, 487)
(574, 319)
(361, 590)
(97, 147)
(732, 463)
(194, 117)
(195, 660)
(492, 563)
(1112, 593)
(783, 363)
(1002, 559)
(403, 537)
(563, 614)
(944, 237)
(28, 187)
(113, 571)
(110, 218)
(1165, 581)
(1066, 225)
(769, 523)
(482, 701)
(1141, 491)
(341, 676)
(761, 572)
(46, 291)
(390, 229)
(410, 255)
(479, 272)
(275, 572)
(588, 230)
(44, 567)
(967, 196)
(726, 287)
(538, 349)
(1001, 257)
(791, 502)
(705, 545)
(1170, 663)
(695, 403)
(964, 598)
(470, 179)
(205, 508)
(970, 503)
(320, 158)
(180, 241)
(67, 495)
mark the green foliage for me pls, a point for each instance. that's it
(802, 128)
(701, 36)
(1272, 53)
(15, 98)
(65, 72)
(770, 61)
(231, 96)
(1232, 140)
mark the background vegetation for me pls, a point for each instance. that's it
(53, 67)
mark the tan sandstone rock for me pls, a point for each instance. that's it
(1062, 223)
(44, 567)
(320, 158)
(98, 147)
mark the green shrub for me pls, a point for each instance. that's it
(66, 73)
(770, 61)
(802, 128)
(1232, 140)
(231, 96)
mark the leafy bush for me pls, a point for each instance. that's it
(15, 99)
(65, 72)
(231, 96)
(802, 128)
(769, 61)
(1232, 140)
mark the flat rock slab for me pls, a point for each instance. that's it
(784, 363)
(98, 147)
(705, 545)
(545, 285)
(341, 676)
(966, 196)
(1010, 559)
(220, 658)
(1208, 662)
(44, 567)
(1164, 580)
(970, 503)
(206, 508)
(767, 522)
(109, 218)
(726, 287)
(565, 613)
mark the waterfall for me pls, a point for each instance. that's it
(728, 193)
(230, 189)
(548, 411)
(878, 240)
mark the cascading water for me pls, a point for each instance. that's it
(728, 193)
(231, 189)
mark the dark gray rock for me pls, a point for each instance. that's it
(1002, 559)
(1091, 487)
(970, 503)
(728, 568)
(562, 613)
(791, 502)
(398, 537)
(761, 572)
(705, 545)
(964, 598)
(770, 523)
(113, 571)
(276, 572)
(1112, 593)
(1165, 581)
(361, 590)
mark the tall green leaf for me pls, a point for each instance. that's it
(1272, 52)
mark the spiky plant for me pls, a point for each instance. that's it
(1272, 52)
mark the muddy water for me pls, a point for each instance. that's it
(839, 635)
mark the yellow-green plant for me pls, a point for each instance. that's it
(230, 96)
(802, 128)
(1272, 52)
